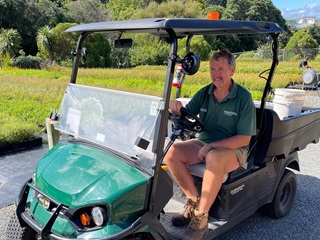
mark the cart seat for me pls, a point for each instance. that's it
(198, 170)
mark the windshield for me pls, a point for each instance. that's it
(124, 122)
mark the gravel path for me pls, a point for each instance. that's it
(301, 223)
(5, 214)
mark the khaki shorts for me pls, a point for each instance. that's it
(241, 153)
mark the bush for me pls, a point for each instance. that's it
(14, 130)
(27, 62)
(6, 61)
(246, 56)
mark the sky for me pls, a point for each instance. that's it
(293, 4)
(298, 8)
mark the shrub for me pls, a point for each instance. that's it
(14, 130)
(27, 62)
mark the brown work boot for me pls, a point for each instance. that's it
(197, 227)
(183, 218)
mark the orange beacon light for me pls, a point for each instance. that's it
(213, 15)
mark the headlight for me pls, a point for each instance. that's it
(89, 217)
(99, 215)
(34, 177)
(44, 201)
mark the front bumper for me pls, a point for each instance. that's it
(46, 231)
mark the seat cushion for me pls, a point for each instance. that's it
(198, 170)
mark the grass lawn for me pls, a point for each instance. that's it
(27, 97)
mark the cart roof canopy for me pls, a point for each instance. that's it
(181, 26)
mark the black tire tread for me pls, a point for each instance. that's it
(273, 209)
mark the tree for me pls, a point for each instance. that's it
(170, 9)
(9, 42)
(85, 11)
(315, 33)
(98, 51)
(63, 43)
(208, 3)
(301, 40)
(285, 37)
(198, 45)
(51, 13)
(27, 16)
(254, 10)
(148, 50)
(231, 42)
(45, 43)
(124, 9)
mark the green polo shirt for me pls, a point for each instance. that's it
(234, 115)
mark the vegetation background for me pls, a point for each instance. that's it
(35, 54)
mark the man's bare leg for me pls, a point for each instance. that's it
(218, 162)
(178, 157)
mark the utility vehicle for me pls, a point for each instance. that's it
(105, 178)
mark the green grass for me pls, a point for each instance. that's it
(27, 97)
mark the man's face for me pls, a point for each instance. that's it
(221, 73)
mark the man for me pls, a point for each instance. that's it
(228, 114)
(304, 63)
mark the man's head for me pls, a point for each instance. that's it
(224, 54)
(222, 67)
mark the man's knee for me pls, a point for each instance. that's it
(185, 152)
(222, 158)
(217, 157)
(174, 153)
(169, 156)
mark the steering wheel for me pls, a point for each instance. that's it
(186, 121)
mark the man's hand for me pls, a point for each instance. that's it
(202, 154)
(175, 107)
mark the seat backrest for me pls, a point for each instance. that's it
(264, 135)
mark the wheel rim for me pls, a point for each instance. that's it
(285, 195)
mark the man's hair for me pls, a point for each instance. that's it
(224, 54)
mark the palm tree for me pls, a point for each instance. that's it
(10, 41)
(45, 42)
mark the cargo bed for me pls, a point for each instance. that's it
(278, 138)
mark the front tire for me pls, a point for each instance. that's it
(284, 197)
(14, 230)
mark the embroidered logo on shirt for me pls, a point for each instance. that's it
(203, 110)
(229, 113)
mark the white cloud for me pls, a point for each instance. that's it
(310, 10)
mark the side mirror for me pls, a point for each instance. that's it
(191, 63)
(123, 43)
(83, 55)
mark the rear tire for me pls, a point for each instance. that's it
(284, 197)
(14, 230)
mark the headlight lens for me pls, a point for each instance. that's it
(99, 215)
(89, 217)
(34, 177)
(44, 201)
